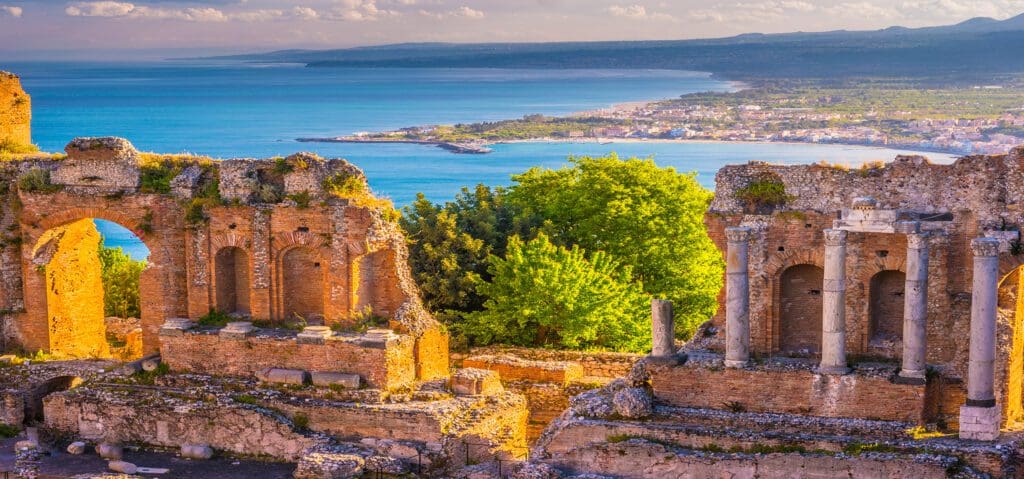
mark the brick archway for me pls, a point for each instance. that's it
(300, 276)
(776, 265)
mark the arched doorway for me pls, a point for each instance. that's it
(886, 307)
(302, 284)
(800, 304)
(90, 270)
(231, 276)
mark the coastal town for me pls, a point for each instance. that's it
(984, 120)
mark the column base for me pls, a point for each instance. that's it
(979, 423)
(916, 378)
(834, 370)
(736, 364)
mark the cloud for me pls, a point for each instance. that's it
(8, 10)
(109, 8)
(637, 12)
(467, 12)
(359, 11)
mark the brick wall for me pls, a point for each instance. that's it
(787, 390)
(386, 365)
(15, 111)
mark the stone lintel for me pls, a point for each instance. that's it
(344, 380)
(985, 246)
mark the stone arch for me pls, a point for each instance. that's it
(301, 279)
(776, 265)
(65, 290)
(800, 309)
(885, 307)
(231, 280)
(34, 399)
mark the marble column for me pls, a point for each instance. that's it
(833, 321)
(915, 309)
(662, 329)
(737, 298)
(980, 418)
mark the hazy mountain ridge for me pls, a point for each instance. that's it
(969, 48)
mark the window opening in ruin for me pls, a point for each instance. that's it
(882, 253)
(91, 270)
(800, 309)
(302, 229)
(231, 281)
(886, 309)
(302, 285)
(782, 248)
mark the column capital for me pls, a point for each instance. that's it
(737, 234)
(917, 240)
(834, 237)
(985, 246)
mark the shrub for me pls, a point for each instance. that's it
(37, 180)
(8, 145)
(344, 185)
(269, 193)
(214, 318)
(765, 193)
(549, 296)
(301, 421)
(301, 199)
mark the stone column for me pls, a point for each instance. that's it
(663, 330)
(737, 302)
(980, 418)
(915, 309)
(833, 321)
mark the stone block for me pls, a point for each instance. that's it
(122, 467)
(329, 465)
(980, 423)
(314, 335)
(76, 448)
(344, 380)
(112, 452)
(151, 364)
(283, 376)
(176, 326)
(476, 382)
(196, 451)
(237, 330)
(103, 165)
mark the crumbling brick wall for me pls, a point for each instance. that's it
(15, 111)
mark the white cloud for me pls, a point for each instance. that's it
(8, 10)
(637, 12)
(467, 12)
(109, 8)
(359, 11)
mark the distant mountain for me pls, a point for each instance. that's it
(978, 47)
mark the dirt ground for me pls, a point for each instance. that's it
(60, 465)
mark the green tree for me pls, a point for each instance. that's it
(450, 244)
(546, 295)
(120, 283)
(647, 217)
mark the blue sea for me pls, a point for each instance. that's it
(229, 110)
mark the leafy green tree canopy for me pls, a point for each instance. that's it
(546, 295)
(120, 283)
(644, 216)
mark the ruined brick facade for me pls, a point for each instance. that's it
(15, 112)
(218, 242)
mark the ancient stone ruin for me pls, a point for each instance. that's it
(870, 327)
(278, 316)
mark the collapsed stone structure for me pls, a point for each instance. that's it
(870, 326)
(278, 316)
(15, 113)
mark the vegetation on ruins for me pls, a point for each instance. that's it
(546, 295)
(647, 219)
(37, 180)
(120, 275)
(12, 147)
(764, 193)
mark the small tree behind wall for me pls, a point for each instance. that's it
(120, 283)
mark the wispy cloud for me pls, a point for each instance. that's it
(637, 12)
(461, 12)
(110, 8)
(10, 11)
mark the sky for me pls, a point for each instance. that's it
(29, 28)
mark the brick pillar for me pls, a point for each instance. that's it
(915, 309)
(737, 303)
(833, 321)
(980, 417)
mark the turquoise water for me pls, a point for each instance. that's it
(236, 110)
